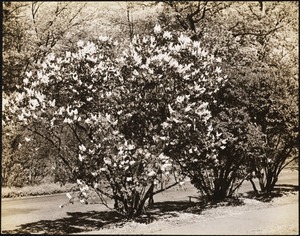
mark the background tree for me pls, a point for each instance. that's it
(31, 31)
(270, 87)
(13, 33)
(126, 19)
(278, 120)
(257, 44)
(191, 16)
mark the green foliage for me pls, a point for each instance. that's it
(275, 110)
(27, 159)
(269, 85)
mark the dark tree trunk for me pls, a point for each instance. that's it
(254, 187)
(142, 202)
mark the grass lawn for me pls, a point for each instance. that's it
(36, 190)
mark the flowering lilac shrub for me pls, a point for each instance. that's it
(115, 121)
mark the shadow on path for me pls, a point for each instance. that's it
(76, 222)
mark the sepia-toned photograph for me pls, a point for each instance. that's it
(150, 117)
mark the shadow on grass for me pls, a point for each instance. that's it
(169, 206)
(76, 222)
(172, 208)
(293, 168)
(286, 187)
(166, 209)
(279, 190)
